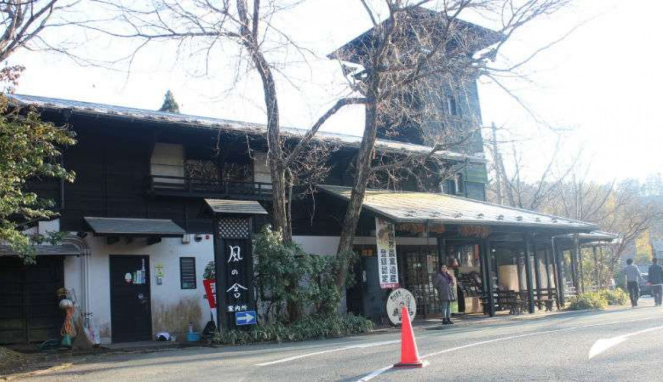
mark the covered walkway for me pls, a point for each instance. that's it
(504, 258)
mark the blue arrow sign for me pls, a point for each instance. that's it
(245, 318)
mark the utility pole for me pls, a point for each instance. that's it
(498, 165)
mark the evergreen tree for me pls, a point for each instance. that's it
(169, 103)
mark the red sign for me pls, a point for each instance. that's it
(210, 290)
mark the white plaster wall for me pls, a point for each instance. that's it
(49, 226)
(167, 295)
(168, 252)
(318, 245)
(327, 245)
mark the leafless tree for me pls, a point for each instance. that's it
(207, 24)
(23, 23)
(406, 72)
(511, 187)
(412, 64)
(617, 207)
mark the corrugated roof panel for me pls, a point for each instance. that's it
(420, 207)
(134, 227)
(243, 207)
(46, 250)
(217, 123)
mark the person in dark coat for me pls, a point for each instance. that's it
(444, 283)
(655, 279)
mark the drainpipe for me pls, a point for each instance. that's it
(85, 273)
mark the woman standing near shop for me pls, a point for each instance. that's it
(444, 283)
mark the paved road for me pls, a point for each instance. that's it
(625, 345)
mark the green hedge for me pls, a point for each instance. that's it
(307, 328)
(598, 300)
(615, 297)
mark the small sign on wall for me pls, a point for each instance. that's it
(159, 273)
(158, 269)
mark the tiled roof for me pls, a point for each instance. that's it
(160, 117)
(46, 250)
(421, 207)
(591, 236)
(134, 227)
(244, 207)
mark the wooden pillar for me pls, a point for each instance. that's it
(575, 264)
(441, 252)
(599, 271)
(546, 255)
(559, 276)
(537, 270)
(484, 277)
(581, 273)
(486, 255)
(519, 266)
(528, 273)
(596, 267)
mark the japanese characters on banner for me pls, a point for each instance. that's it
(237, 295)
(210, 291)
(387, 262)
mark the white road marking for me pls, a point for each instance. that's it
(358, 346)
(380, 371)
(602, 345)
(374, 374)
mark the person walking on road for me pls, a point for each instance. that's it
(655, 279)
(633, 278)
(444, 283)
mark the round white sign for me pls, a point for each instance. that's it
(398, 299)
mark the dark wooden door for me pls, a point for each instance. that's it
(354, 295)
(131, 318)
(29, 309)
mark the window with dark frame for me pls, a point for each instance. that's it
(188, 272)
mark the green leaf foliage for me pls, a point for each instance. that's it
(29, 150)
(598, 300)
(588, 301)
(291, 282)
(307, 328)
(210, 271)
(615, 297)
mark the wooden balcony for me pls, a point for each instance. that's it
(165, 185)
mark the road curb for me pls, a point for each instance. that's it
(13, 377)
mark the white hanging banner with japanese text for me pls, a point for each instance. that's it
(387, 264)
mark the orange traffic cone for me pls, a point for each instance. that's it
(409, 351)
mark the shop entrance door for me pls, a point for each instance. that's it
(365, 298)
(131, 317)
(420, 265)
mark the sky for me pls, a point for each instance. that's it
(598, 90)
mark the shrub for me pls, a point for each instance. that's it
(291, 282)
(310, 327)
(589, 300)
(210, 271)
(614, 297)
